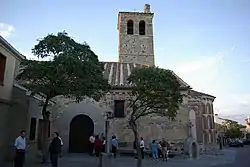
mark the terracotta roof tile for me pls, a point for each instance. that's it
(118, 73)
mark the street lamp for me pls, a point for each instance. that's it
(108, 115)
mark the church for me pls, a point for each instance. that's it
(77, 121)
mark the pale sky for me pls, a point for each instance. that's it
(205, 42)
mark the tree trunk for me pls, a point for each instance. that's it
(135, 131)
(45, 130)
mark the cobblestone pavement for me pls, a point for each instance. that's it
(80, 160)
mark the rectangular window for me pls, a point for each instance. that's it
(32, 135)
(119, 109)
(2, 68)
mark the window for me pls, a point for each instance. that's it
(142, 27)
(2, 68)
(32, 135)
(130, 27)
(119, 109)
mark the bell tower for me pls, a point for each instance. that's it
(136, 44)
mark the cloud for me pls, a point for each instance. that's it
(206, 74)
(246, 61)
(6, 30)
(233, 48)
(202, 63)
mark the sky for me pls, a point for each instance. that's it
(205, 42)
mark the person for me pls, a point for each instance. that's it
(98, 146)
(55, 149)
(91, 144)
(159, 149)
(103, 144)
(20, 149)
(154, 148)
(114, 144)
(142, 146)
(61, 155)
(163, 149)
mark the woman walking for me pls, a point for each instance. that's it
(98, 146)
(154, 148)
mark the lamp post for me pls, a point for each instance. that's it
(104, 158)
(108, 116)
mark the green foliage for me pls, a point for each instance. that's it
(233, 130)
(73, 71)
(155, 91)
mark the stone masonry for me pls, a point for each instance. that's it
(137, 51)
(136, 48)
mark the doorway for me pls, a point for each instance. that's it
(81, 128)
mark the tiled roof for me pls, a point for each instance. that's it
(118, 73)
(199, 94)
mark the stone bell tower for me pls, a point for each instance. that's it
(136, 44)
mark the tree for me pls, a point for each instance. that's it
(74, 71)
(233, 130)
(155, 91)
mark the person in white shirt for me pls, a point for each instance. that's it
(91, 144)
(142, 146)
(20, 148)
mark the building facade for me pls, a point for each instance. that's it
(18, 110)
(77, 121)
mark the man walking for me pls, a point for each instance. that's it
(55, 150)
(20, 148)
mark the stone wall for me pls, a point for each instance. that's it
(4, 110)
(17, 119)
(135, 48)
(153, 127)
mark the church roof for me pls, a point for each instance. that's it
(200, 94)
(118, 73)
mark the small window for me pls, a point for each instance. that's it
(142, 27)
(130, 27)
(119, 109)
(32, 135)
(2, 68)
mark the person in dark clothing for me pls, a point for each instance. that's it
(103, 144)
(55, 150)
(98, 145)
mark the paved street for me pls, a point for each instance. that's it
(241, 160)
(226, 160)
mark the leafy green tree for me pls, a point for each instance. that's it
(233, 130)
(155, 91)
(74, 71)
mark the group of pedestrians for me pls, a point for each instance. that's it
(98, 144)
(158, 149)
(21, 148)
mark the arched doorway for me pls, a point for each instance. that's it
(81, 127)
